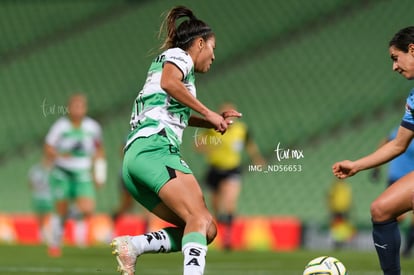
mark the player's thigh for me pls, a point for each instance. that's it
(229, 191)
(86, 205)
(59, 183)
(42, 206)
(395, 200)
(230, 187)
(184, 197)
(149, 163)
(141, 192)
(84, 195)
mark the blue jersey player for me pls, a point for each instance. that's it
(398, 168)
(399, 197)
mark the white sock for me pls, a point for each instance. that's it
(57, 230)
(153, 242)
(194, 258)
(80, 233)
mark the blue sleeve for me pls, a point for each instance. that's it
(408, 118)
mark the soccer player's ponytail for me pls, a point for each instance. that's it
(189, 29)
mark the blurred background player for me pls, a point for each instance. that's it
(340, 203)
(126, 201)
(42, 202)
(399, 167)
(224, 154)
(74, 147)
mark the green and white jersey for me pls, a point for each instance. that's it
(155, 110)
(76, 147)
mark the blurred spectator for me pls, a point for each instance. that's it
(340, 203)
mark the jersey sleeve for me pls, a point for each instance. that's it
(181, 59)
(408, 118)
(53, 135)
(98, 135)
(96, 131)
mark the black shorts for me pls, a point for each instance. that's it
(215, 176)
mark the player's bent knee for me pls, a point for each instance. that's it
(207, 221)
(203, 222)
(378, 212)
(211, 233)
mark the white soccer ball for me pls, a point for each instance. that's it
(325, 265)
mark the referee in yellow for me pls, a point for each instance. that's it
(224, 154)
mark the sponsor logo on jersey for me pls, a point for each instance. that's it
(183, 163)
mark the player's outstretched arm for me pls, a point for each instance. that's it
(382, 155)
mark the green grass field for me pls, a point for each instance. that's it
(16, 260)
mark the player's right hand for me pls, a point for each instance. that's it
(344, 169)
(219, 123)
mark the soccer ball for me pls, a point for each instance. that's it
(325, 265)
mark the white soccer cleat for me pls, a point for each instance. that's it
(125, 253)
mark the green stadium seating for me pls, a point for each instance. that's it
(27, 22)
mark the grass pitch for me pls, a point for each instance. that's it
(19, 260)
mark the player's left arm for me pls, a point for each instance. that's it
(198, 121)
(253, 150)
(99, 163)
(388, 151)
(385, 153)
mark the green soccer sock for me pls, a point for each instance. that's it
(175, 235)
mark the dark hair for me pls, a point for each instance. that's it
(183, 35)
(403, 38)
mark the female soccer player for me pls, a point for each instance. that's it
(398, 198)
(74, 146)
(153, 169)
